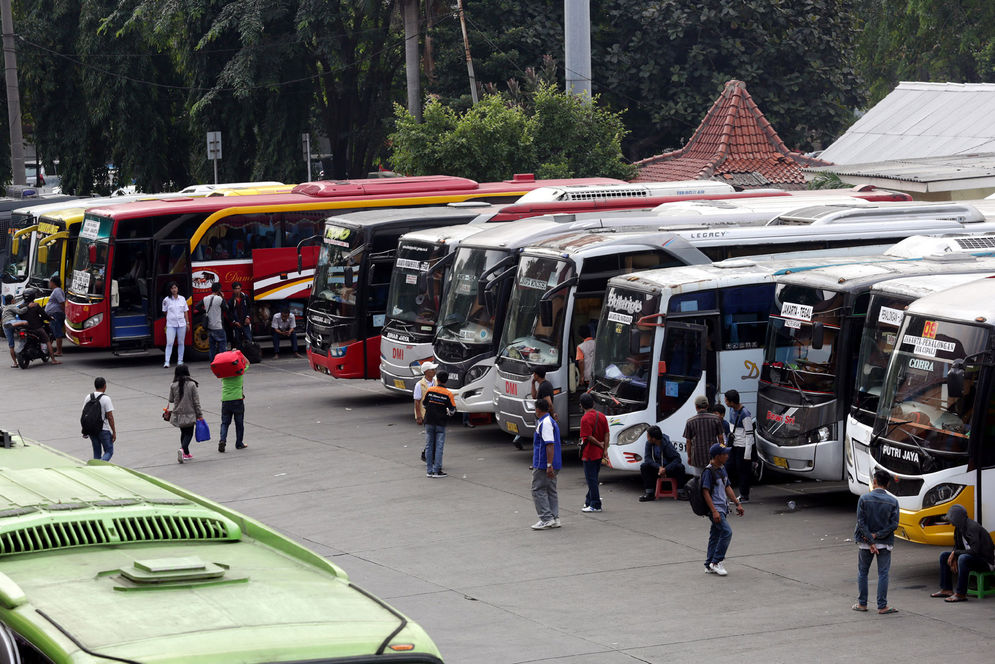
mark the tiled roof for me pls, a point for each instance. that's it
(734, 143)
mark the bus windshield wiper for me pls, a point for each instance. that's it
(794, 381)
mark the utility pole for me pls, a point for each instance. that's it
(409, 10)
(577, 46)
(466, 50)
(13, 95)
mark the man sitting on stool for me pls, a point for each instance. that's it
(659, 460)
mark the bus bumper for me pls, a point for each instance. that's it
(929, 525)
(819, 461)
(400, 365)
(478, 395)
(347, 362)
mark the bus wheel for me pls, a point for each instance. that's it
(200, 347)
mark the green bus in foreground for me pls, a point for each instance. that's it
(101, 563)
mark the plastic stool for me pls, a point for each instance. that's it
(670, 492)
(984, 584)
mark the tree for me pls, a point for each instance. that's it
(926, 40)
(547, 132)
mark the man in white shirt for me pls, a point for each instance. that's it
(103, 443)
(214, 306)
(284, 327)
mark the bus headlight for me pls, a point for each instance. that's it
(822, 434)
(475, 373)
(338, 351)
(632, 434)
(941, 493)
(848, 450)
(93, 321)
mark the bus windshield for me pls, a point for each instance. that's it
(42, 271)
(463, 319)
(877, 342)
(411, 302)
(336, 277)
(90, 263)
(18, 265)
(623, 355)
(790, 360)
(919, 407)
(526, 341)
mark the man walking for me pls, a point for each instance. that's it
(104, 439)
(973, 552)
(439, 407)
(877, 519)
(546, 463)
(233, 407)
(421, 387)
(213, 305)
(660, 459)
(741, 426)
(593, 440)
(241, 316)
(718, 494)
(702, 431)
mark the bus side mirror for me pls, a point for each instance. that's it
(955, 380)
(43, 253)
(300, 262)
(818, 336)
(91, 254)
(546, 313)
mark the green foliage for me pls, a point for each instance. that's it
(827, 181)
(926, 40)
(549, 133)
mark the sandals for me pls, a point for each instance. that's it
(884, 612)
(955, 598)
(857, 607)
(942, 593)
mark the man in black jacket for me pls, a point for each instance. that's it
(973, 552)
(660, 459)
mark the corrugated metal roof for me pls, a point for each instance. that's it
(921, 120)
(929, 169)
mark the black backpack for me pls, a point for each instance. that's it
(92, 420)
(696, 497)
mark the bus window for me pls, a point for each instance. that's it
(693, 302)
(235, 237)
(744, 315)
(299, 226)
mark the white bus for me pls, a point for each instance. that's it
(811, 353)
(935, 425)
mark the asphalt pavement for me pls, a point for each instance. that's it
(335, 465)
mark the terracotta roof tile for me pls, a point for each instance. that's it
(734, 143)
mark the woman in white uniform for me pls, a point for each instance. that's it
(177, 319)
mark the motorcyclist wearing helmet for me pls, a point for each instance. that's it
(11, 320)
(35, 316)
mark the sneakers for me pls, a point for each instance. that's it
(646, 497)
(240, 447)
(543, 525)
(221, 446)
(429, 474)
(441, 473)
(708, 568)
(588, 508)
(165, 366)
(743, 499)
(187, 457)
(718, 568)
(556, 522)
(179, 456)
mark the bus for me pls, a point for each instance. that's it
(465, 343)
(935, 425)
(127, 254)
(85, 540)
(667, 336)
(885, 310)
(811, 357)
(16, 221)
(414, 300)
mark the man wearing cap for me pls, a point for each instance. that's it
(701, 431)
(718, 494)
(421, 387)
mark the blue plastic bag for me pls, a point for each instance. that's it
(203, 432)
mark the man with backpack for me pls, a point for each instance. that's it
(213, 307)
(97, 420)
(717, 494)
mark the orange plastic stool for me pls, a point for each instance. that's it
(671, 492)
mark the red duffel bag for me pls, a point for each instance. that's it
(228, 364)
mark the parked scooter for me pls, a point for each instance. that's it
(28, 346)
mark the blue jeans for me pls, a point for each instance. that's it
(593, 497)
(276, 342)
(103, 447)
(966, 563)
(217, 342)
(232, 409)
(435, 441)
(719, 537)
(864, 557)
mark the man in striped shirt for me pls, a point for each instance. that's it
(701, 431)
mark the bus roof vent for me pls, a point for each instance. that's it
(51, 532)
(604, 192)
(979, 242)
(919, 246)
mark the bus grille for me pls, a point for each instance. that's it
(54, 535)
(980, 242)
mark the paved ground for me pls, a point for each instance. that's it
(335, 465)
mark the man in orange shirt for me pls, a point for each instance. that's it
(593, 439)
(439, 407)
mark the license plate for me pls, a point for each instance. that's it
(398, 383)
(781, 462)
(512, 427)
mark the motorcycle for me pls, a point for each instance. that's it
(28, 346)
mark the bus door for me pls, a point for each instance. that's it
(744, 313)
(172, 263)
(682, 362)
(379, 270)
(130, 303)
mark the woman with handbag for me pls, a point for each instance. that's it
(183, 410)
